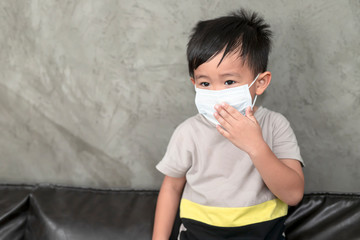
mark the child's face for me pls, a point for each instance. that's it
(230, 73)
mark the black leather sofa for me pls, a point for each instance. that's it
(46, 212)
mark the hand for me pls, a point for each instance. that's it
(243, 131)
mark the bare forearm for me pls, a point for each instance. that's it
(283, 181)
(166, 209)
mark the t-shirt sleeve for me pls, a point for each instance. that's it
(285, 144)
(178, 157)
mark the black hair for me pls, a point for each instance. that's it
(241, 31)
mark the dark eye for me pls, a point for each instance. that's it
(229, 82)
(204, 84)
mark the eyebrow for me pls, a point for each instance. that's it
(201, 76)
(231, 74)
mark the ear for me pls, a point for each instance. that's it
(262, 82)
(192, 80)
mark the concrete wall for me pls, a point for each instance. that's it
(91, 91)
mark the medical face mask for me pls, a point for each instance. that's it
(237, 97)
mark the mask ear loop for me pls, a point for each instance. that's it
(253, 103)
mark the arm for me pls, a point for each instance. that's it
(284, 177)
(167, 206)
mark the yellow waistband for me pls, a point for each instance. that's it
(233, 217)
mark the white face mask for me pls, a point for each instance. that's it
(237, 97)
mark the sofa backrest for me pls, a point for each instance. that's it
(61, 213)
(325, 216)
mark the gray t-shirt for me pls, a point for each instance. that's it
(217, 172)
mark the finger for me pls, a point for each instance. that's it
(232, 111)
(222, 131)
(223, 113)
(222, 121)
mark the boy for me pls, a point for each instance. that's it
(236, 167)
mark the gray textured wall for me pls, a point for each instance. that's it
(90, 91)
